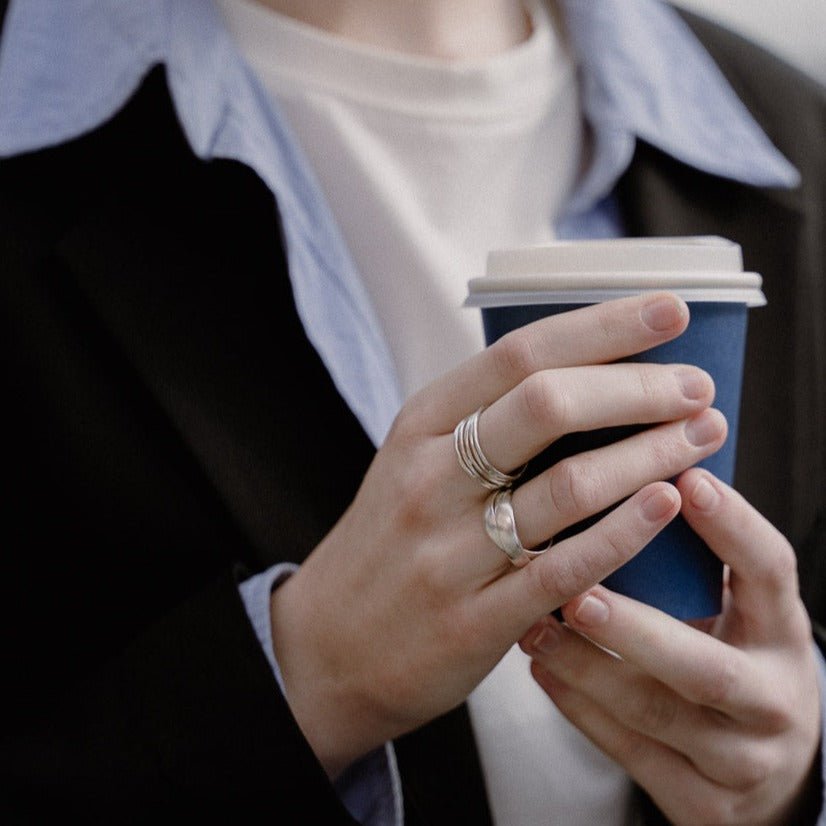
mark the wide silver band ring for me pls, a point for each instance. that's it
(473, 460)
(500, 525)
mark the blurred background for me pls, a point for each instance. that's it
(794, 29)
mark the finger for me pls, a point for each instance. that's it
(513, 603)
(698, 667)
(587, 483)
(550, 403)
(763, 577)
(727, 754)
(597, 334)
(680, 792)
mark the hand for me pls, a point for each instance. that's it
(406, 605)
(719, 725)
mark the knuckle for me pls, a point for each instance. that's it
(782, 567)
(618, 546)
(439, 595)
(545, 404)
(414, 498)
(514, 355)
(779, 714)
(648, 381)
(717, 687)
(662, 451)
(632, 747)
(608, 323)
(754, 767)
(542, 582)
(656, 713)
(406, 426)
(574, 488)
(569, 575)
(800, 626)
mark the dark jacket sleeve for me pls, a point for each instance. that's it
(145, 453)
(187, 718)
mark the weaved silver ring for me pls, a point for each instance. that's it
(500, 525)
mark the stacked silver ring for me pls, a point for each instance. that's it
(500, 524)
(473, 460)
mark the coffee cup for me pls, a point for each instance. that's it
(676, 572)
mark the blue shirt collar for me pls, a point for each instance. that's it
(67, 67)
(105, 48)
(644, 75)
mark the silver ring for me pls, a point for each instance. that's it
(472, 459)
(500, 525)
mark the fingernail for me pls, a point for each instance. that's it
(546, 640)
(658, 505)
(704, 497)
(703, 429)
(693, 384)
(663, 314)
(591, 611)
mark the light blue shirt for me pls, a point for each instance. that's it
(68, 65)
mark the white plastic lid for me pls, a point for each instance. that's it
(704, 268)
(690, 254)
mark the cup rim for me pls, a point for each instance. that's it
(573, 288)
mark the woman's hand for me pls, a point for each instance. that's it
(720, 725)
(406, 605)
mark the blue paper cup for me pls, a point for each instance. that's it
(676, 572)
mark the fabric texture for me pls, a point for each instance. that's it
(425, 164)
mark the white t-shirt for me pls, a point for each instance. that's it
(427, 165)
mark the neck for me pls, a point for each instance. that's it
(443, 29)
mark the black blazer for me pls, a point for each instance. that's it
(170, 429)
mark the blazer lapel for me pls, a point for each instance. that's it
(181, 265)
